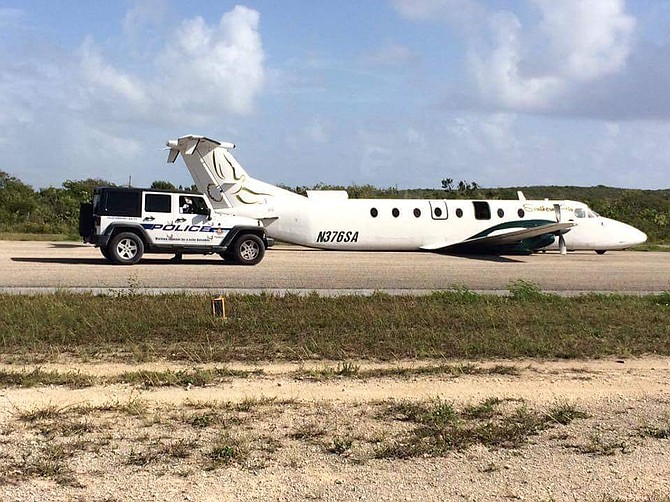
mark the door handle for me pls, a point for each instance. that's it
(180, 220)
(149, 218)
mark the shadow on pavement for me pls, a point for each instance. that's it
(102, 261)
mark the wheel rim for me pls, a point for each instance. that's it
(126, 249)
(249, 250)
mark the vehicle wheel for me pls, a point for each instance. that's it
(126, 249)
(601, 251)
(248, 249)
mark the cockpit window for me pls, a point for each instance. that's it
(580, 213)
(593, 214)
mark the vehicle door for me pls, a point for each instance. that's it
(157, 217)
(193, 226)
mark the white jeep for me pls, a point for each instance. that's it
(125, 223)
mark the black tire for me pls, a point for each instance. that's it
(248, 249)
(126, 248)
(601, 251)
(105, 252)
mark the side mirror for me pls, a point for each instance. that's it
(209, 214)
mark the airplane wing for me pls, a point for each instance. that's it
(502, 237)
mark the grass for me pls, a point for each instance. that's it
(19, 236)
(440, 428)
(456, 324)
(40, 377)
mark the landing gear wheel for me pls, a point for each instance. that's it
(601, 251)
(126, 248)
(248, 249)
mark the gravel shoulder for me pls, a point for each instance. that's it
(280, 435)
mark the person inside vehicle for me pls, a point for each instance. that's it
(185, 205)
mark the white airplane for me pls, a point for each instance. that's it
(328, 219)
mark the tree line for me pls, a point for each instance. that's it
(55, 210)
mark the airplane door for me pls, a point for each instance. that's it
(438, 209)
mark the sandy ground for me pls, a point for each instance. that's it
(302, 439)
(72, 265)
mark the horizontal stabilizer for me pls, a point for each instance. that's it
(172, 156)
(504, 237)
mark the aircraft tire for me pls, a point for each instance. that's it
(601, 251)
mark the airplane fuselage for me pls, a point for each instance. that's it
(330, 220)
(414, 224)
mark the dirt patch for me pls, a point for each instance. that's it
(296, 432)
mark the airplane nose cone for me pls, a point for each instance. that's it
(632, 236)
(638, 237)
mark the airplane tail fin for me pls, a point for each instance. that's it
(218, 175)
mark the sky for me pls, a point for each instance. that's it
(385, 92)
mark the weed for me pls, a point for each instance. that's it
(308, 430)
(226, 450)
(38, 377)
(340, 445)
(441, 428)
(524, 291)
(484, 410)
(564, 413)
(599, 445)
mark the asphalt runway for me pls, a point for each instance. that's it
(29, 267)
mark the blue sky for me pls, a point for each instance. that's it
(388, 92)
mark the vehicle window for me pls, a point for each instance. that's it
(122, 203)
(482, 210)
(199, 206)
(189, 204)
(580, 213)
(157, 203)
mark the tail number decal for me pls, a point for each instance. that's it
(337, 236)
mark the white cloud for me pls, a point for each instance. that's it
(99, 102)
(498, 72)
(105, 82)
(544, 65)
(583, 42)
(590, 39)
(202, 71)
(216, 68)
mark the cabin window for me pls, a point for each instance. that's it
(395, 212)
(501, 213)
(459, 212)
(374, 212)
(521, 213)
(482, 210)
(122, 203)
(158, 203)
(438, 212)
(417, 212)
(580, 213)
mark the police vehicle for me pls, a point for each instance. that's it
(125, 223)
